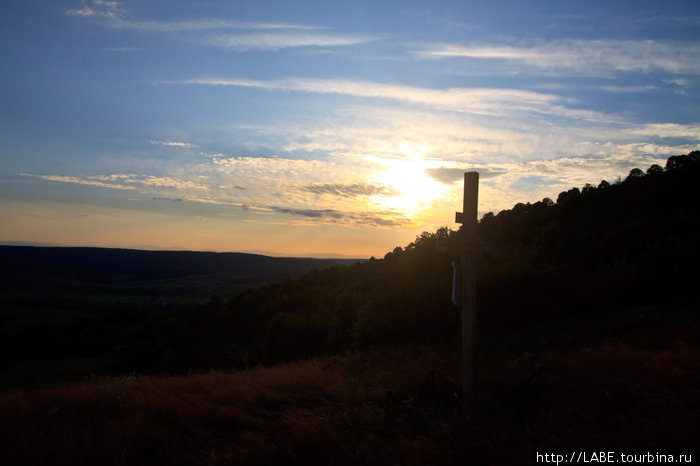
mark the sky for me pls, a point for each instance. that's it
(324, 128)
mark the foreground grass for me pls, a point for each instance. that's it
(380, 407)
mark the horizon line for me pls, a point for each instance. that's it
(319, 255)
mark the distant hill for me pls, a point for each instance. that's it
(171, 276)
(109, 264)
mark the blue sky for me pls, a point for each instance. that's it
(321, 128)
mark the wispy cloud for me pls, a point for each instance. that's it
(177, 144)
(347, 218)
(257, 209)
(116, 14)
(628, 89)
(450, 175)
(466, 139)
(591, 56)
(347, 190)
(168, 182)
(473, 100)
(98, 8)
(85, 181)
(680, 82)
(313, 213)
(187, 191)
(282, 40)
(234, 35)
(273, 167)
(668, 130)
(208, 24)
(125, 181)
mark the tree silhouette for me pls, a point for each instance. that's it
(654, 170)
(634, 173)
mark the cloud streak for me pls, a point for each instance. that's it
(98, 8)
(97, 181)
(331, 216)
(182, 145)
(347, 190)
(208, 25)
(448, 175)
(266, 36)
(491, 101)
(115, 12)
(125, 181)
(586, 56)
(282, 40)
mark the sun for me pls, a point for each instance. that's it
(410, 192)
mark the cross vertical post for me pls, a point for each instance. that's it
(468, 218)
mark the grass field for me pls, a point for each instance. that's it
(637, 390)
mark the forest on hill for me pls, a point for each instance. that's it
(620, 252)
(598, 259)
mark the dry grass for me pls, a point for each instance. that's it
(336, 411)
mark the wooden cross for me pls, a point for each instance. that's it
(468, 259)
(467, 253)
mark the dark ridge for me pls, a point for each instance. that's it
(107, 265)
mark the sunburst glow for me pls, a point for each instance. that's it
(411, 192)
